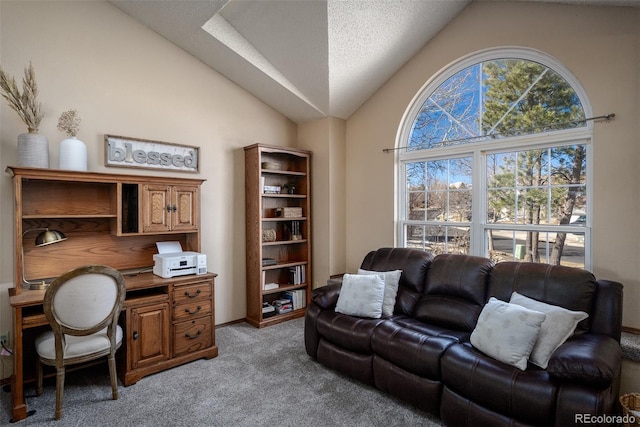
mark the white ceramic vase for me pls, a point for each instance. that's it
(73, 154)
(33, 150)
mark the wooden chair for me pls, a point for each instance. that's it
(82, 307)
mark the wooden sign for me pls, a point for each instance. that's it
(122, 151)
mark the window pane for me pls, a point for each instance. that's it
(501, 205)
(568, 164)
(439, 190)
(438, 239)
(542, 186)
(496, 99)
(541, 247)
(450, 115)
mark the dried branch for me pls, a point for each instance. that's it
(26, 103)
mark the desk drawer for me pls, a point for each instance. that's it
(191, 292)
(192, 335)
(192, 310)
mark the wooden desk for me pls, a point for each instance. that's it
(179, 310)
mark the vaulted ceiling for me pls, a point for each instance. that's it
(308, 59)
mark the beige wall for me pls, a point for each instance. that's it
(326, 138)
(126, 80)
(599, 45)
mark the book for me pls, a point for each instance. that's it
(297, 297)
(297, 275)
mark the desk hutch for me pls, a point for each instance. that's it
(112, 219)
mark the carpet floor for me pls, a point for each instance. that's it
(260, 377)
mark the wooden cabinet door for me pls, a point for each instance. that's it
(170, 208)
(149, 334)
(156, 208)
(184, 208)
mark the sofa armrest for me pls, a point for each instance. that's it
(589, 359)
(327, 296)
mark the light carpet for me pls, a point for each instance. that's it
(260, 377)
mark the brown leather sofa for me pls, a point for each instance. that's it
(422, 353)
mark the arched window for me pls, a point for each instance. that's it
(494, 159)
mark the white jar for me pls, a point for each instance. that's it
(73, 154)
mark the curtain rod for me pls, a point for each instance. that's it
(604, 117)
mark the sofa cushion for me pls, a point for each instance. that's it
(361, 295)
(433, 330)
(391, 281)
(556, 328)
(571, 288)
(414, 351)
(520, 395)
(348, 332)
(507, 332)
(455, 292)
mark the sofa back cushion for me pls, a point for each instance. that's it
(571, 288)
(455, 292)
(412, 262)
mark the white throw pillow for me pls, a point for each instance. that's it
(361, 295)
(555, 330)
(507, 332)
(391, 281)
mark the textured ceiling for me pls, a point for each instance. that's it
(308, 59)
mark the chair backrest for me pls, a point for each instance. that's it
(85, 300)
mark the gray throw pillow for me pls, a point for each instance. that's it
(391, 281)
(361, 295)
(507, 332)
(554, 331)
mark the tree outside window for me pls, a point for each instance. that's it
(492, 166)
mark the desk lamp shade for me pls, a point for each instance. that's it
(49, 237)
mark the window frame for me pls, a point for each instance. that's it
(478, 152)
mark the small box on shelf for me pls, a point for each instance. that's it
(289, 212)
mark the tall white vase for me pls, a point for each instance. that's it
(73, 154)
(33, 150)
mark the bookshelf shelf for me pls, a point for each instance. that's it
(283, 288)
(285, 242)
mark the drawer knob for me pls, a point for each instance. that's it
(188, 311)
(135, 335)
(188, 335)
(188, 295)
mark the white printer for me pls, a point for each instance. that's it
(179, 264)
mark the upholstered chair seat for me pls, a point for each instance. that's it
(76, 346)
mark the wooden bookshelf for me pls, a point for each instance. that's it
(277, 178)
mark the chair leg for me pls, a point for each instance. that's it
(114, 377)
(38, 377)
(59, 390)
